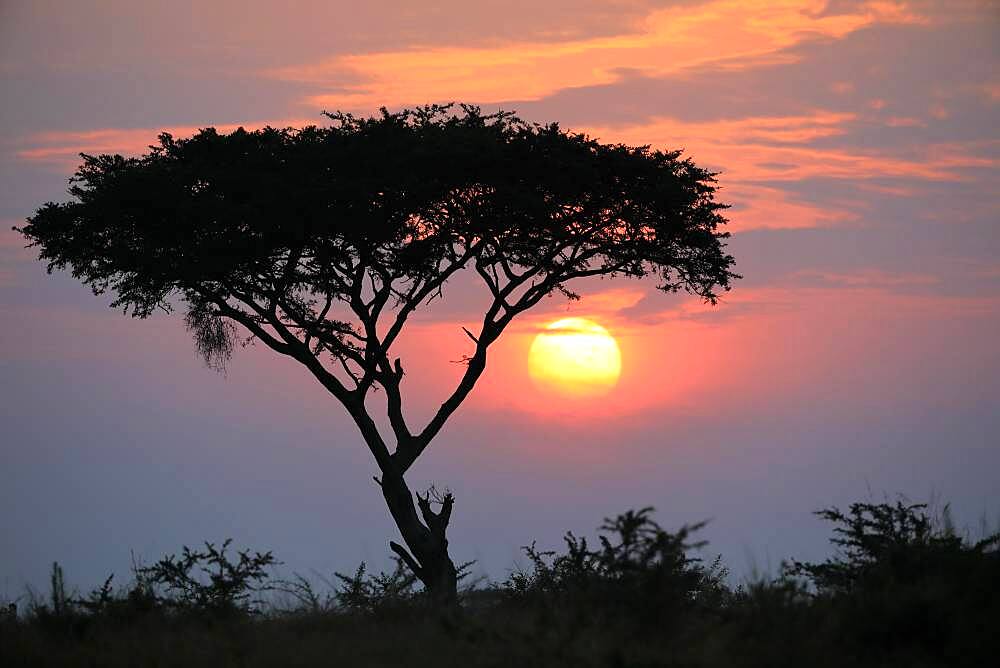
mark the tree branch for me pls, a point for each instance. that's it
(436, 522)
(427, 288)
(407, 559)
(247, 321)
(408, 452)
(352, 400)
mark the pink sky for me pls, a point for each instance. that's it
(856, 143)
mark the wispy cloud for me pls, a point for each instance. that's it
(62, 148)
(869, 278)
(725, 33)
(758, 156)
(781, 149)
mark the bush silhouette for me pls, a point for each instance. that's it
(377, 595)
(903, 589)
(891, 545)
(639, 570)
(209, 581)
(903, 580)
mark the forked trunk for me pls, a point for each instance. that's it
(427, 541)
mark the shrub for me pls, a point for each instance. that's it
(890, 545)
(640, 570)
(903, 581)
(209, 581)
(376, 594)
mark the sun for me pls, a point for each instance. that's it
(575, 357)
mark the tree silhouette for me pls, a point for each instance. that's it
(321, 242)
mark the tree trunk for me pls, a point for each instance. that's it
(427, 542)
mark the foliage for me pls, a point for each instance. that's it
(917, 596)
(379, 594)
(889, 545)
(100, 599)
(300, 595)
(396, 194)
(639, 570)
(209, 580)
(386, 593)
(903, 580)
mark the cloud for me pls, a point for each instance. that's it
(728, 34)
(610, 300)
(761, 157)
(783, 148)
(870, 278)
(61, 149)
(798, 112)
(798, 290)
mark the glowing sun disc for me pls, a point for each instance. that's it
(576, 357)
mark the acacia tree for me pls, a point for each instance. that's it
(321, 242)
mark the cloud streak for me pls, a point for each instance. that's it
(61, 149)
(727, 34)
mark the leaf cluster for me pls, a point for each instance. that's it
(399, 192)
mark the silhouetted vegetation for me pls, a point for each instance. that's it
(639, 571)
(903, 589)
(321, 242)
(208, 581)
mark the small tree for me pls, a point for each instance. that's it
(321, 242)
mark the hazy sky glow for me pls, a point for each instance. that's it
(857, 145)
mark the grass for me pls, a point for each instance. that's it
(901, 590)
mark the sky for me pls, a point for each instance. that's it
(856, 359)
